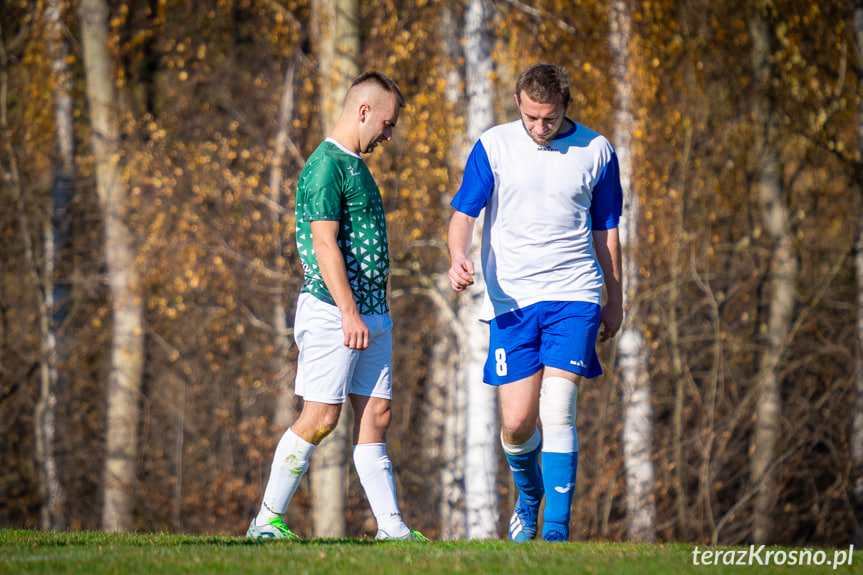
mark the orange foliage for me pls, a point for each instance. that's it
(200, 85)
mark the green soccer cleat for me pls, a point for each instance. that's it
(274, 529)
(412, 535)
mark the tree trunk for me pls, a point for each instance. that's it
(632, 351)
(337, 45)
(674, 342)
(124, 378)
(285, 411)
(54, 292)
(50, 489)
(782, 278)
(445, 377)
(857, 422)
(337, 26)
(857, 431)
(482, 423)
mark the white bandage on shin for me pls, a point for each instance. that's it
(557, 399)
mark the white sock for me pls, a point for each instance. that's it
(290, 463)
(376, 476)
(525, 448)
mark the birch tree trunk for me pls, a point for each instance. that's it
(52, 516)
(782, 278)
(482, 423)
(50, 489)
(338, 46)
(632, 352)
(445, 376)
(857, 423)
(124, 378)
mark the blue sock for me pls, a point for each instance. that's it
(559, 471)
(526, 471)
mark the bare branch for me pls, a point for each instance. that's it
(446, 312)
(751, 492)
(540, 14)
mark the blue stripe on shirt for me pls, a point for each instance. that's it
(607, 202)
(477, 183)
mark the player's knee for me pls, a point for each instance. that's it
(376, 416)
(383, 416)
(325, 424)
(517, 427)
(330, 423)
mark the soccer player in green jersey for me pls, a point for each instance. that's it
(342, 325)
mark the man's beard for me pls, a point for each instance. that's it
(540, 141)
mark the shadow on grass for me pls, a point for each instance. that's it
(89, 538)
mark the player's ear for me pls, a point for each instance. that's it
(363, 112)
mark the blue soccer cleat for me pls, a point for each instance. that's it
(522, 526)
(555, 534)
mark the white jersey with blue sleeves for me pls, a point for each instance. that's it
(541, 205)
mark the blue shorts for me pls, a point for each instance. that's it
(559, 334)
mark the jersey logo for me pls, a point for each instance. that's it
(352, 171)
(547, 149)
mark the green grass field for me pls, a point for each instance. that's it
(95, 553)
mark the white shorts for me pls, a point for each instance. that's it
(327, 371)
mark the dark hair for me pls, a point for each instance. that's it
(543, 83)
(383, 81)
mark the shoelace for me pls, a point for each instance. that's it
(280, 525)
(419, 536)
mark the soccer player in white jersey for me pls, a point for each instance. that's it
(342, 325)
(551, 192)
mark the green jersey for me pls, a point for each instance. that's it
(336, 185)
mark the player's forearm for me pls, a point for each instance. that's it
(331, 262)
(332, 266)
(607, 246)
(460, 235)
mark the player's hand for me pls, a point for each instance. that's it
(461, 274)
(356, 331)
(610, 320)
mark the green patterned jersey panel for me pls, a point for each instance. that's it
(338, 186)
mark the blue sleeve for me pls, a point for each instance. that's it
(476, 185)
(607, 203)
